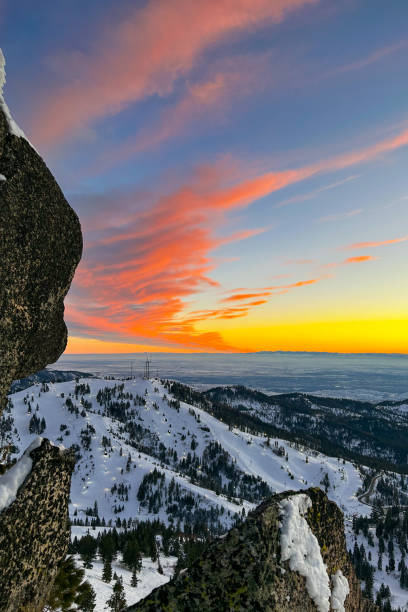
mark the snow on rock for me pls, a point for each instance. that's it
(13, 127)
(300, 547)
(340, 591)
(2, 177)
(2, 72)
(11, 481)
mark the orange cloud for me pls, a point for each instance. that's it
(267, 292)
(257, 302)
(135, 278)
(160, 256)
(145, 54)
(351, 260)
(311, 281)
(245, 296)
(358, 259)
(368, 245)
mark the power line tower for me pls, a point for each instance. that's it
(146, 374)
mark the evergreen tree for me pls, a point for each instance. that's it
(117, 601)
(68, 589)
(87, 550)
(107, 571)
(85, 600)
(131, 555)
(134, 579)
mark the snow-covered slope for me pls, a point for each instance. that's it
(105, 474)
(144, 455)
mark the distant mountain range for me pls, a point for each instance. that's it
(47, 376)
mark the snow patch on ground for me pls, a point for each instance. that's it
(340, 591)
(11, 481)
(300, 547)
(148, 579)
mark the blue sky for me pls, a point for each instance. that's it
(225, 159)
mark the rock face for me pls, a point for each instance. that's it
(34, 530)
(245, 571)
(40, 247)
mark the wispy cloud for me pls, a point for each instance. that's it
(374, 244)
(158, 258)
(351, 260)
(144, 55)
(245, 296)
(369, 59)
(341, 216)
(312, 194)
(296, 262)
(228, 81)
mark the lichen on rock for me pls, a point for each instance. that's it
(245, 569)
(35, 531)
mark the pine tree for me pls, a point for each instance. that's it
(85, 600)
(117, 601)
(107, 571)
(131, 555)
(69, 589)
(134, 579)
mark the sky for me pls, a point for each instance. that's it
(239, 168)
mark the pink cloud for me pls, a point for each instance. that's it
(228, 81)
(145, 54)
(372, 58)
(369, 245)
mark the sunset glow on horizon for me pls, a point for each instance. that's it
(239, 168)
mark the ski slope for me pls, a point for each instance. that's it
(100, 468)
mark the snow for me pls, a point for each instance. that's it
(99, 468)
(2, 72)
(2, 177)
(13, 127)
(148, 579)
(300, 547)
(340, 590)
(399, 595)
(11, 481)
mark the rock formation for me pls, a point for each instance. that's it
(40, 247)
(288, 556)
(34, 528)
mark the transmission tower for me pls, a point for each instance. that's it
(147, 368)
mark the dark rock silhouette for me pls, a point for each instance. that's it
(244, 570)
(40, 247)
